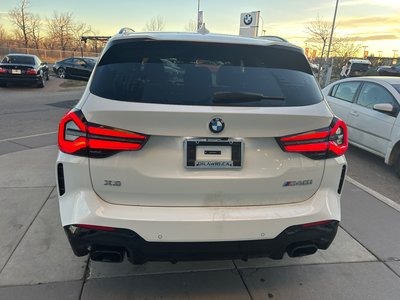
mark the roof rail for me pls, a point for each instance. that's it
(126, 30)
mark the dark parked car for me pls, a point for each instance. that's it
(389, 70)
(23, 68)
(78, 67)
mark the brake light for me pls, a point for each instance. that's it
(3, 70)
(77, 136)
(318, 144)
(31, 72)
(318, 223)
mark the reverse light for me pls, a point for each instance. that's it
(318, 144)
(79, 137)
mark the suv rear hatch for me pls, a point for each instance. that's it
(176, 93)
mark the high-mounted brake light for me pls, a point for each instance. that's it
(77, 136)
(318, 144)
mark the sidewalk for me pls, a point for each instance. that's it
(36, 261)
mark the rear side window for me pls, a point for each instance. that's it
(397, 87)
(192, 73)
(345, 91)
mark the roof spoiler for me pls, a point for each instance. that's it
(126, 30)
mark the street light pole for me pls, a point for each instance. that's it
(326, 74)
(333, 28)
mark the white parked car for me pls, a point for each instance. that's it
(235, 154)
(370, 107)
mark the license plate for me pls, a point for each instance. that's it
(15, 71)
(213, 153)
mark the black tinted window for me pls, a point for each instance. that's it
(359, 67)
(14, 59)
(189, 73)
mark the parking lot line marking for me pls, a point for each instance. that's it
(375, 194)
(27, 136)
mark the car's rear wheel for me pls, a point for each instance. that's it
(3, 84)
(61, 73)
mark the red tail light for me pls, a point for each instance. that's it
(3, 70)
(77, 136)
(31, 72)
(318, 144)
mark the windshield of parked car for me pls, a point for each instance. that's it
(23, 60)
(194, 73)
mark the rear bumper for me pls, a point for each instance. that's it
(20, 79)
(296, 240)
(81, 205)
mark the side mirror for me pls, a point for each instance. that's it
(384, 107)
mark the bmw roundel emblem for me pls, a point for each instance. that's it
(248, 18)
(216, 125)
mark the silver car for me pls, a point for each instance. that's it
(370, 107)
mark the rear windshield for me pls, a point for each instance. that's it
(190, 73)
(14, 59)
(359, 67)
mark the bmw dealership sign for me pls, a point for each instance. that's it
(249, 24)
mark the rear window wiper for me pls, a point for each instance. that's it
(220, 97)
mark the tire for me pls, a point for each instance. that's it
(3, 84)
(61, 73)
(397, 165)
(42, 82)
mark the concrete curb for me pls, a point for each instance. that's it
(375, 194)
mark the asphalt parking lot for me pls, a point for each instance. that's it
(36, 261)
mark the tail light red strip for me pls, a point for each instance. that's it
(318, 144)
(77, 136)
(115, 133)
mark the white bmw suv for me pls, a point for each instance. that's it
(191, 146)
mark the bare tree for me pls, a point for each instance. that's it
(344, 48)
(3, 35)
(319, 31)
(191, 26)
(155, 24)
(35, 24)
(78, 30)
(60, 28)
(19, 17)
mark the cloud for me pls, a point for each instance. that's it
(375, 37)
(384, 21)
(357, 3)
